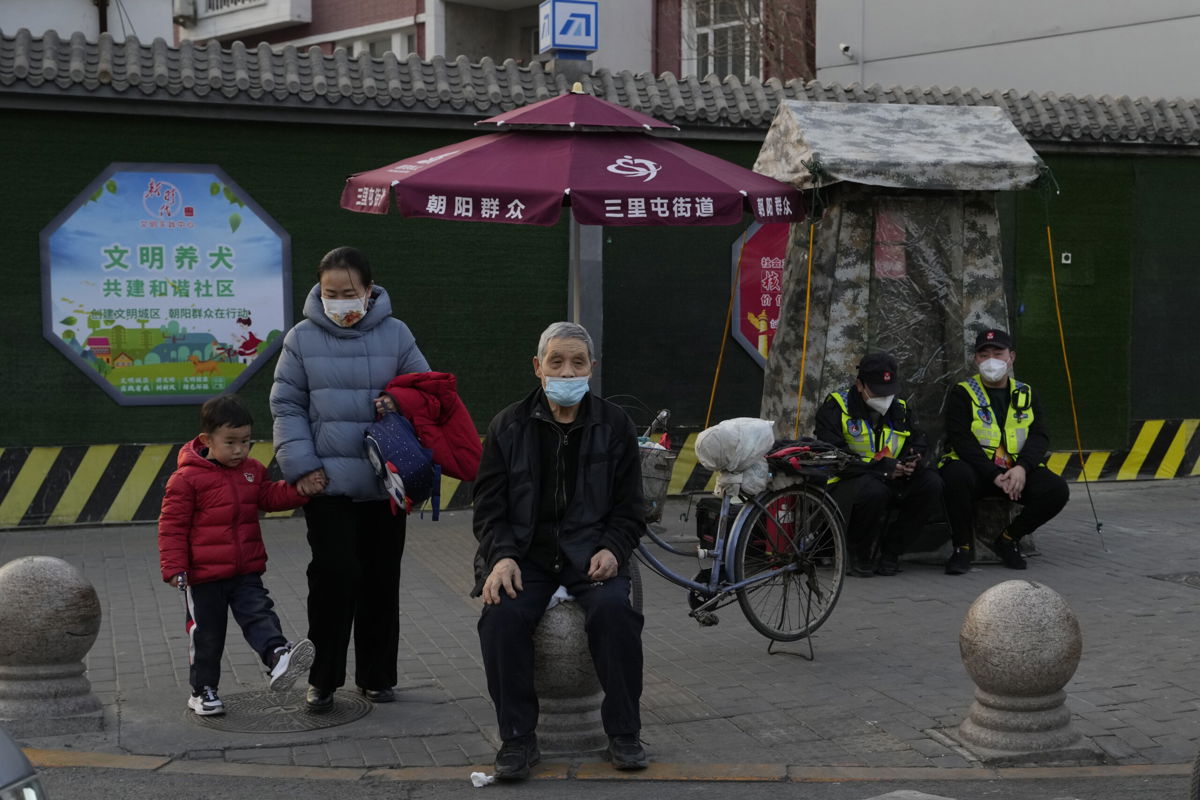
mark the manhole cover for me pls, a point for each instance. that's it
(1191, 579)
(284, 712)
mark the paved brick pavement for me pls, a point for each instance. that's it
(887, 679)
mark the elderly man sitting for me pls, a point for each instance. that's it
(558, 501)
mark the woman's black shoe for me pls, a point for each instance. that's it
(318, 702)
(379, 695)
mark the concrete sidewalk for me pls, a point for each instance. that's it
(887, 679)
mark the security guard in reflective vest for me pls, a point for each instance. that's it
(996, 443)
(868, 420)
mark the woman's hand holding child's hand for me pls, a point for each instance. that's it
(312, 484)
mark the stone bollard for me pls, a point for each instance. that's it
(49, 618)
(1020, 644)
(568, 690)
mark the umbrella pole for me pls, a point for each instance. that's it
(585, 289)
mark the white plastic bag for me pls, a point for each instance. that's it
(736, 449)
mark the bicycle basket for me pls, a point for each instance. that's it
(657, 464)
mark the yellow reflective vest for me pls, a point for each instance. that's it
(860, 437)
(984, 426)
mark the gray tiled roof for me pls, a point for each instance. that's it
(262, 78)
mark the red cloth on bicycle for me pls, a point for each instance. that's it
(443, 424)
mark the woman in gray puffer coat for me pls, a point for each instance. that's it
(328, 381)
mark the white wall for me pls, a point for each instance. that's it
(1114, 47)
(625, 36)
(149, 19)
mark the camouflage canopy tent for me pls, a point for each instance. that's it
(906, 256)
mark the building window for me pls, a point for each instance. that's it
(724, 38)
(400, 42)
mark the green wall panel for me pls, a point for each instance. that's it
(1092, 223)
(1165, 362)
(475, 295)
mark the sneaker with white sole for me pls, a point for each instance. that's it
(205, 702)
(291, 662)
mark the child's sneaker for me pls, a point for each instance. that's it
(289, 663)
(205, 702)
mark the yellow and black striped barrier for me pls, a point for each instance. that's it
(110, 483)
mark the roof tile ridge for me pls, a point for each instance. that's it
(240, 61)
(1018, 112)
(656, 105)
(757, 100)
(104, 65)
(318, 80)
(1098, 117)
(266, 66)
(187, 65)
(1134, 124)
(466, 83)
(291, 69)
(1187, 109)
(77, 58)
(51, 50)
(702, 107)
(160, 62)
(490, 76)
(608, 86)
(739, 108)
(343, 71)
(541, 82)
(368, 68)
(417, 77)
(677, 108)
(214, 57)
(22, 45)
(1035, 102)
(441, 77)
(1159, 127)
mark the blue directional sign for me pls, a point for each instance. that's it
(568, 25)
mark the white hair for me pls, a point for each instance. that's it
(564, 330)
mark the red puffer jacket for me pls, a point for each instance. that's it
(208, 527)
(442, 422)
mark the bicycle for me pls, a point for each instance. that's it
(782, 556)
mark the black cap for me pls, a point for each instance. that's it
(880, 373)
(993, 337)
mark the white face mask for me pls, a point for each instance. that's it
(993, 369)
(881, 404)
(344, 313)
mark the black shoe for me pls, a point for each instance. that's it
(318, 702)
(378, 695)
(888, 566)
(959, 562)
(516, 756)
(1008, 552)
(626, 752)
(861, 568)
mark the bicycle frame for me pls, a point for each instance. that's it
(720, 582)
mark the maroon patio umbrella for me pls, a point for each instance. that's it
(579, 151)
(576, 110)
(526, 177)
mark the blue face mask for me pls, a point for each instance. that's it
(566, 392)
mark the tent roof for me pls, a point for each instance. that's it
(912, 147)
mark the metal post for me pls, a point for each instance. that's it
(585, 289)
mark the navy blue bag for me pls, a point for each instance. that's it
(402, 464)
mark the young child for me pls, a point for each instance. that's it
(210, 546)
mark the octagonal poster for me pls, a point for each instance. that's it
(165, 283)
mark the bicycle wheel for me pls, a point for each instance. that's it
(796, 535)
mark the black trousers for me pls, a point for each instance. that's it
(866, 499)
(1044, 496)
(354, 584)
(614, 631)
(208, 608)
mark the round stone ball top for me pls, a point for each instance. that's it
(1020, 638)
(49, 612)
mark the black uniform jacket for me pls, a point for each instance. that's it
(605, 510)
(900, 418)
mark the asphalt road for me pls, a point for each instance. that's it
(88, 784)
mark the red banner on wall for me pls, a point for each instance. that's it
(762, 251)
